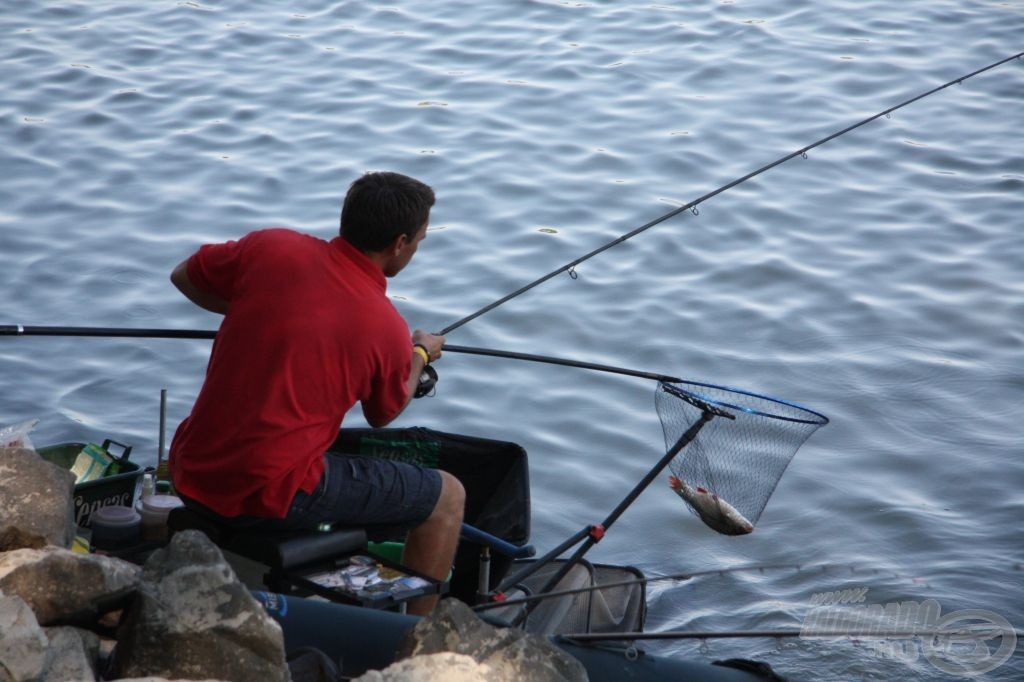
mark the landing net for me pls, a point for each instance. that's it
(738, 457)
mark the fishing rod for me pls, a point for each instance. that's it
(112, 332)
(529, 357)
(688, 575)
(121, 332)
(692, 206)
(972, 631)
(23, 330)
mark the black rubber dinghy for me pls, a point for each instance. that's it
(366, 639)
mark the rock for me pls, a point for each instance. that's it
(444, 667)
(72, 655)
(23, 643)
(62, 586)
(36, 501)
(193, 619)
(513, 655)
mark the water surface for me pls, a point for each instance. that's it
(878, 281)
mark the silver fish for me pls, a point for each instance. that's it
(718, 514)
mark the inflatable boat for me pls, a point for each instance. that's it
(362, 639)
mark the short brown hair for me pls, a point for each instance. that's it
(380, 206)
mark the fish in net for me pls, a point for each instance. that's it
(726, 474)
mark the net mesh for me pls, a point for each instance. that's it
(739, 455)
(603, 603)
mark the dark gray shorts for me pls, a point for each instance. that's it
(367, 491)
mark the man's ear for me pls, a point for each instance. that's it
(398, 244)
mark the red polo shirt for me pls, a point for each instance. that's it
(309, 332)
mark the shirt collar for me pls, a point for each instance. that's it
(360, 260)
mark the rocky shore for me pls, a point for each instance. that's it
(184, 614)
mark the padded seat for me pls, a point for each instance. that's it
(288, 553)
(281, 551)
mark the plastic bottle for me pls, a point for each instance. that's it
(148, 486)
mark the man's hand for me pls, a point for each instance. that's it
(431, 342)
(432, 345)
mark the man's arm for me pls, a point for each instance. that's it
(432, 343)
(207, 301)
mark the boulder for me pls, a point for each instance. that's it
(446, 667)
(36, 501)
(23, 643)
(61, 586)
(193, 619)
(512, 655)
(72, 655)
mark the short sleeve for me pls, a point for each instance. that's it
(389, 386)
(214, 268)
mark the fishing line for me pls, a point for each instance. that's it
(692, 206)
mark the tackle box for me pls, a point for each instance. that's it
(365, 580)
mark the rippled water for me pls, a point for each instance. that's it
(878, 281)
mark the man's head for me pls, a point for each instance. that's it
(381, 206)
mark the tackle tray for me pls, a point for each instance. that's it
(365, 580)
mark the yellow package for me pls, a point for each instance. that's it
(91, 463)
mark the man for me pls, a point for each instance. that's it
(308, 331)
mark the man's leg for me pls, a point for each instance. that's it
(430, 547)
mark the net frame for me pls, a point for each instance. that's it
(741, 454)
(698, 411)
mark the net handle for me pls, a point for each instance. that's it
(592, 535)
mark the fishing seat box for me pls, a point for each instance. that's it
(295, 558)
(494, 474)
(116, 489)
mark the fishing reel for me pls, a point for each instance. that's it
(428, 380)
